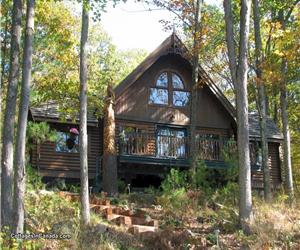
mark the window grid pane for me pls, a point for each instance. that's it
(162, 80)
(177, 82)
(158, 96)
(180, 98)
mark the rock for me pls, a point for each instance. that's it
(45, 192)
(63, 227)
(100, 228)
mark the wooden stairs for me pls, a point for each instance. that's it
(136, 221)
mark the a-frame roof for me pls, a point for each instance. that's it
(173, 45)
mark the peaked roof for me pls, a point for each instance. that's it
(173, 45)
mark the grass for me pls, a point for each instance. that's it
(189, 218)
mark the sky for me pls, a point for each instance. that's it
(131, 25)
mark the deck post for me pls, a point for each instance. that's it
(110, 182)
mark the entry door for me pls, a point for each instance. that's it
(171, 142)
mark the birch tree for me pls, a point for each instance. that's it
(9, 117)
(20, 159)
(84, 178)
(238, 69)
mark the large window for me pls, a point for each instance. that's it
(169, 90)
(171, 142)
(67, 142)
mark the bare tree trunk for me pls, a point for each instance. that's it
(84, 178)
(110, 180)
(286, 133)
(195, 80)
(262, 102)
(239, 77)
(20, 158)
(9, 117)
(3, 62)
(284, 119)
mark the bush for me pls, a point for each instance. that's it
(175, 180)
(39, 132)
(33, 180)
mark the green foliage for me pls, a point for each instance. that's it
(33, 179)
(228, 195)
(213, 178)
(175, 180)
(176, 200)
(73, 188)
(121, 186)
(39, 132)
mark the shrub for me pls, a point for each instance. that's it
(39, 132)
(33, 180)
(175, 180)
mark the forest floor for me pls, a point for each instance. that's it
(181, 224)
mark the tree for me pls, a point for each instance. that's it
(20, 160)
(110, 184)
(284, 113)
(195, 79)
(262, 107)
(9, 117)
(239, 69)
(84, 178)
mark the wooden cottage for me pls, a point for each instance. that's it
(152, 112)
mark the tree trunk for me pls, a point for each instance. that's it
(239, 77)
(9, 117)
(110, 180)
(3, 62)
(84, 178)
(284, 119)
(20, 158)
(195, 80)
(261, 102)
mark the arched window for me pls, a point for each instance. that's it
(169, 90)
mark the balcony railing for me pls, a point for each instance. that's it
(137, 144)
(215, 149)
(164, 146)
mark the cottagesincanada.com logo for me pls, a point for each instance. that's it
(32, 236)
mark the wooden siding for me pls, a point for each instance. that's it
(63, 164)
(132, 104)
(274, 165)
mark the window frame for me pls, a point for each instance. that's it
(78, 136)
(170, 128)
(170, 90)
(66, 135)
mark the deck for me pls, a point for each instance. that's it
(173, 151)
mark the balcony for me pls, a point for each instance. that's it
(174, 150)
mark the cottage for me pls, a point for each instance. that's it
(152, 111)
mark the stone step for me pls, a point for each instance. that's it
(111, 217)
(97, 201)
(98, 208)
(131, 220)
